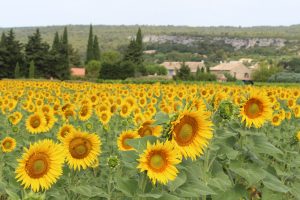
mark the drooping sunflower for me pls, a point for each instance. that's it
(36, 123)
(125, 135)
(8, 144)
(191, 133)
(40, 165)
(147, 128)
(256, 110)
(64, 131)
(15, 118)
(82, 149)
(160, 160)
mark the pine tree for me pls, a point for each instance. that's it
(17, 71)
(10, 54)
(90, 49)
(38, 51)
(96, 49)
(65, 43)
(32, 70)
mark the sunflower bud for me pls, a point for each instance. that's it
(34, 196)
(113, 162)
(89, 126)
(226, 109)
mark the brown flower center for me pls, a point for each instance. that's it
(80, 148)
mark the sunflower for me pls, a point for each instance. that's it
(104, 117)
(85, 112)
(15, 118)
(125, 135)
(191, 132)
(160, 160)
(147, 128)
(276, 120)
(297, 111)
(64, 131)
(125, 110)
(82, 149)
(256, 110)
(8, 144)
(40, 165)
(50, 121)
(36, 123)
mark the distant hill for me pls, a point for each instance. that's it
(113, 37)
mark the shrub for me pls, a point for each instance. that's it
(285, 77)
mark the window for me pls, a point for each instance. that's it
(246, 75)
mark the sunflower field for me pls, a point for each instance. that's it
(68, 140)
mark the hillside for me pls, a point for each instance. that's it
(114, 37)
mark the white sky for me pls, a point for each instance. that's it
(15, 13)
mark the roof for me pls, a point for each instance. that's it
(228, 66)
(176, 65)
(75, 71)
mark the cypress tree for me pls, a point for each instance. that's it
(96, 49)
(139, 47)
(56, 42)
(17, 71)
(31, 69)
(90, 49)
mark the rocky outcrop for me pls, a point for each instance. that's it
(237, 43)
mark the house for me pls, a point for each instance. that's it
(76, 71)
(173, 66)
(236, 68)
(149, 52)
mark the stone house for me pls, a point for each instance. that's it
(235, 68)
(173, 66)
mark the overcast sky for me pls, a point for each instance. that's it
(15, 13)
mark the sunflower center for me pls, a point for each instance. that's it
(253, 108)
(145, 131)
(37, 165)
(157, 162)
(80, 148)
(275, 119)
(84, 111)
(35, 122)
(7, 144)
(185, 133)
(125, 145)
(124, 109)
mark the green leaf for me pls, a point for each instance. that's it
(269, 194)
(12, 195)
(194, 189)
(273, 183)
(140, 144)
(236, 193)
(88, 190)
(166, 196)
(221, 181)
(295, 190)
(250, 172)
(127, 186)
(161, 118)
(261, 145)
(180, 180)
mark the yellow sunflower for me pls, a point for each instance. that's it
(82, 149)
(276, 120)
(191, 132)
(36, 123)
(40, 165)
(85, 112)
(8, 144)
(104, 117)
(125, 135)
(256, 110)
(15, 118)
(64, 131)
(147, 128)
(160, 160)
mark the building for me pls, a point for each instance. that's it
(173, 66)
(235, 68)
(76, 71)
(149, 52)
